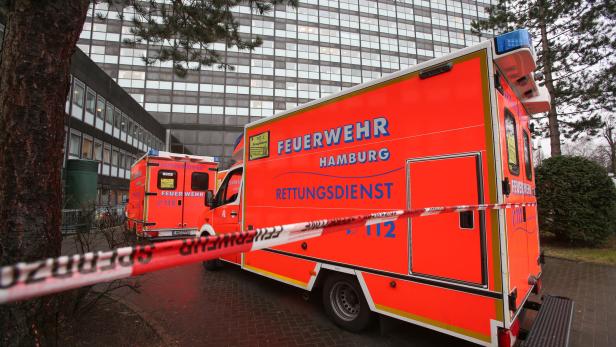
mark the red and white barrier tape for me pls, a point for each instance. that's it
(28, 280)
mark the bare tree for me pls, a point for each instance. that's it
(609, 134)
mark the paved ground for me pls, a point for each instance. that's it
(236, 308)
(593, 288)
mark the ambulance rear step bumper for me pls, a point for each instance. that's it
(552, 325)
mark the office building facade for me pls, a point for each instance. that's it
(319, 48)
(104, 123)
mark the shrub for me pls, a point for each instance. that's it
(577, 200)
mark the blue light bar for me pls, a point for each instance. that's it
(513, 40)
(153, 152)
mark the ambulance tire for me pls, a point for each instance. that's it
(344, 303)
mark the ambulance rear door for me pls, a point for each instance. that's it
(165, 195)
(199, 178)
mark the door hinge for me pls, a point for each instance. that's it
(153, 164)
(150, 193)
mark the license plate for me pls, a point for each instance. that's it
(180, 232)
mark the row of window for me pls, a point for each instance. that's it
(113, 161)
(85, 105)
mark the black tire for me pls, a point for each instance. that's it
(344, 303)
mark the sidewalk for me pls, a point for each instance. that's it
(593, 288)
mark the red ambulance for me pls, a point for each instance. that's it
(167, 194)
(451, 131)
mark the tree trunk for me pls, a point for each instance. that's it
(39, 40)
(613, 158)
(549, 84)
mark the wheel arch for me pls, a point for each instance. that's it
(207, 230)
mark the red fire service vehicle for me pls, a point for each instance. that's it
(450, 131)
(167, 193)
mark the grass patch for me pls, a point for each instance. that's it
(605, 254)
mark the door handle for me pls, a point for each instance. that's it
(233, 214)
(179, 202)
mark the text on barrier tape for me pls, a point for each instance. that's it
(28, 280)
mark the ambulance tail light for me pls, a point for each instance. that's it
(152, 233)
(504, 338)
(507, 337)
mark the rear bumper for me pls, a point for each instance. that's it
(170, 234)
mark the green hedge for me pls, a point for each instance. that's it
(577, 200)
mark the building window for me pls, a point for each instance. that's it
(98, 151)
(109, 113)
(114, 157)
(107, 155)
(117, 118)
(78, 93)
(74, 147)
(100, 108)
(87, 148)
(90, 101)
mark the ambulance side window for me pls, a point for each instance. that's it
(229, 189)
(199, 181)
(167, 179)
(527, 157)
(511, 136)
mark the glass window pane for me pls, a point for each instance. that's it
(109, 114)
(78, 94)
(512, 144)
(74, 146)
(98, 151)
(114, 158)
(91, 101)
(86, 148)
(100, 108)
(107, 155)
(117, 118)
(527, 157)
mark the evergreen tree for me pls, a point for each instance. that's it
(575, 49)
(39, 40)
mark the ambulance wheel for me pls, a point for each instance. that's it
(345, 304)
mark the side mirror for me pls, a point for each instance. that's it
(209, 198)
